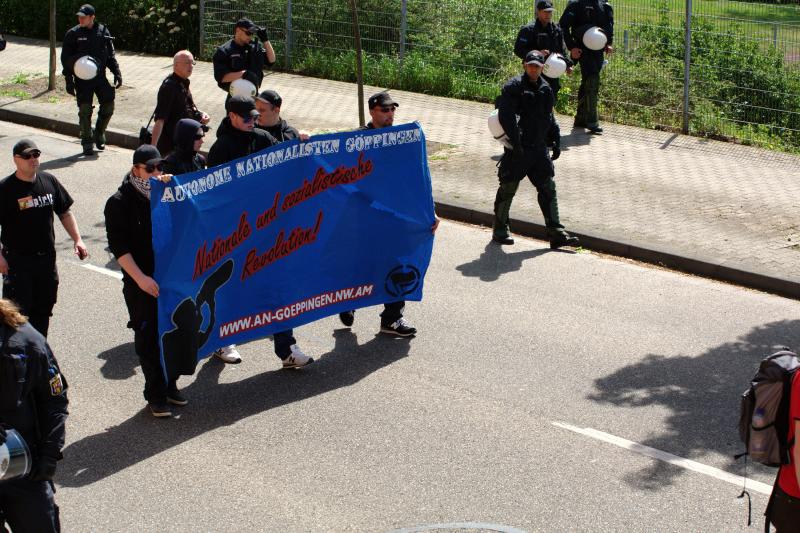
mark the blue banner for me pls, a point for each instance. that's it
(289, 235)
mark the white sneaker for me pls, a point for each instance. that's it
(229, 355)
(298, 359)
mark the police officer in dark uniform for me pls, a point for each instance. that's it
(92, 39)
(381, 111)
(241, 57)
(579, 16)
(545, 36)
(33, 401)
(531, 98)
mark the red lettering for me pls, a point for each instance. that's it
(323, 181)
(205, 258)
(298, 238)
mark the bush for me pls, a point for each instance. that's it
(127, 20)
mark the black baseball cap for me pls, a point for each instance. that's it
(244, 106)
(147, 154)
(86, 10)
(24, 146)
(247, 24)
(381, 99)
(534, 57)
(544, 5)
(271, 97)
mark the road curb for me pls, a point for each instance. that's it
(700, 266)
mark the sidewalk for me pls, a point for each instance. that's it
(716, 209)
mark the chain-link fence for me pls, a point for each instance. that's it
(743, 72)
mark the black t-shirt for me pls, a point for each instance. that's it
(26, 212)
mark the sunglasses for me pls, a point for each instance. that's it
(199, 136)
(33, 153)
(152, 168)
(248, 33)
(249, 118)
(388, 109)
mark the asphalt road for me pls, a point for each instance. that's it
(480, 420)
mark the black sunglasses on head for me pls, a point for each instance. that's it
(33, 153)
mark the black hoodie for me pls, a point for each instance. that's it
(183, 158)
(282, 131)
(232, 143)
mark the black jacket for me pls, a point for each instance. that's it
(129, 228)
(535, 36)
(282, 131)
(183, 158)
(579, 16)
(96, 42)
(232, 143)
(533, 102)
(230, 57)
(33, 397)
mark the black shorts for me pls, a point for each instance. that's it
(784, 511)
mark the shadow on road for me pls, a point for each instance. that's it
(495, 261)
(576, 137)
(702, 393)
(120, 362)
(214, 405)
(64, 162)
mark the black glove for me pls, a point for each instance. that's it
(70, 85)
(263, 35)
(251, 77)
(556, 153)
(517, 152)
(118, 80)
(44, 469)
(3, 435)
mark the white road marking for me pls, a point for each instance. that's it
(653, 453)
(106, 271)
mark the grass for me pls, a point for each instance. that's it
(15, 93)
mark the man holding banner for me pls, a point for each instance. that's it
(129, 229)
(381, 110)
(289, 235)
(238, 137)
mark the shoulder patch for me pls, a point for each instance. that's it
(56, 383)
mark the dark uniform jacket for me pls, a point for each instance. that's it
(535, 36)
(96, 42)
(536, 131)
(232, 143)
(230, 57)
(174, 103)
(581, 15)
(33, 397)
(282, 131)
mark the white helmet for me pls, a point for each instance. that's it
(555, 66)
(496, 129)
(242, 87)
(595, 38)
(85, 68)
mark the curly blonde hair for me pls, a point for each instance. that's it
(9, 313)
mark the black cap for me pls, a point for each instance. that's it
(271, 97)
(147, 154)
(534, 57)
(544, 5)
(24, 146)
(86, 10)
(381, 99)
(244, 106)
(247, 24)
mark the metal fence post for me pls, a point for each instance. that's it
(687, 60)
(625, 42)
(201, 30)
(288, 48)
(775, 35)
(403, 29)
